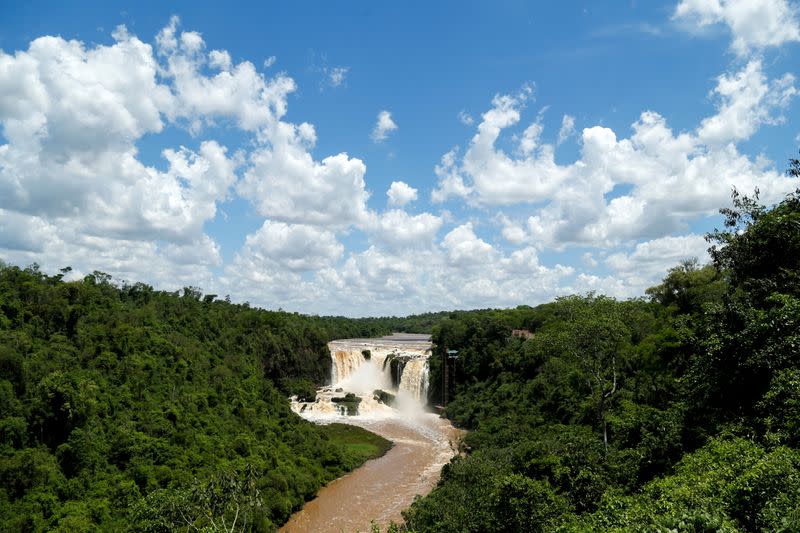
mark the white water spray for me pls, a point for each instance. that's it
(396, 365)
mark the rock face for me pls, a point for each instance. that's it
(397, 364)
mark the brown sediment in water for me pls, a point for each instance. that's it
(383, 487)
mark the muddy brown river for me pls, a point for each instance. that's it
(383, 487)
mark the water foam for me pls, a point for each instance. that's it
(363, 366)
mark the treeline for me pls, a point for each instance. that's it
(126, 408)
(675, 412)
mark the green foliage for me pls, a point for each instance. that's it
(125, 408)
(729, 485)
(360, 443)
(689, 288)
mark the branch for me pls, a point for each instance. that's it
(614, 370)
(235, 517)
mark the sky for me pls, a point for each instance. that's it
(385, 158)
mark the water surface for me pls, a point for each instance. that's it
(382, 487)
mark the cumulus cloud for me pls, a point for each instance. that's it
(747, 101)
(242, 93)
(74, 189)
(401, 193)
(61, 242)
(72, 115)
(646, 264)
(530, 138)
(397, 229)
(464, 271)
(753, 25)
(465, 118)
(383, 127)
(671, 177)
(296, 247)
(451, 183)
(285, 183)
(219, 59)
(494, 177)
(70, 172)
(465, 248)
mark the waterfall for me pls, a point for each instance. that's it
(345, 362)
(414, 379)
(375, 371)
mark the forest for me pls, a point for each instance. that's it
(678, 411)
(124, 408)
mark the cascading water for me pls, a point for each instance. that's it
(369, 374)
(414, 379)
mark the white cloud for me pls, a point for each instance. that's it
(567, 128)
(337, 75)
(401, 193)
(465, 118)
(383, 127)
(649, 261)
(754, 25)
(670, 178)
(465, 248)
(588, 260)
(296, 247)
(24, 233)
(74, 190)
(70, 173)
(530, 138)
(451, 183)
(399, 230)
(58, 243)
(219, 59)
(462, 274)
(372, 272)
(241, 93)
(72, 115)
(747, 102)
(285, 183)
(497, 178)
(511, 232)
(268, 62)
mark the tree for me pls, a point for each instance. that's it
(755, 335)
(593, 336)
(759, 249)
(689, 288)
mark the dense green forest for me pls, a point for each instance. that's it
(675, 412)
(125, 408)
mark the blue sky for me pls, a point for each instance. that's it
(535, 150)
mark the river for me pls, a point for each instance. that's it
(383, 487)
